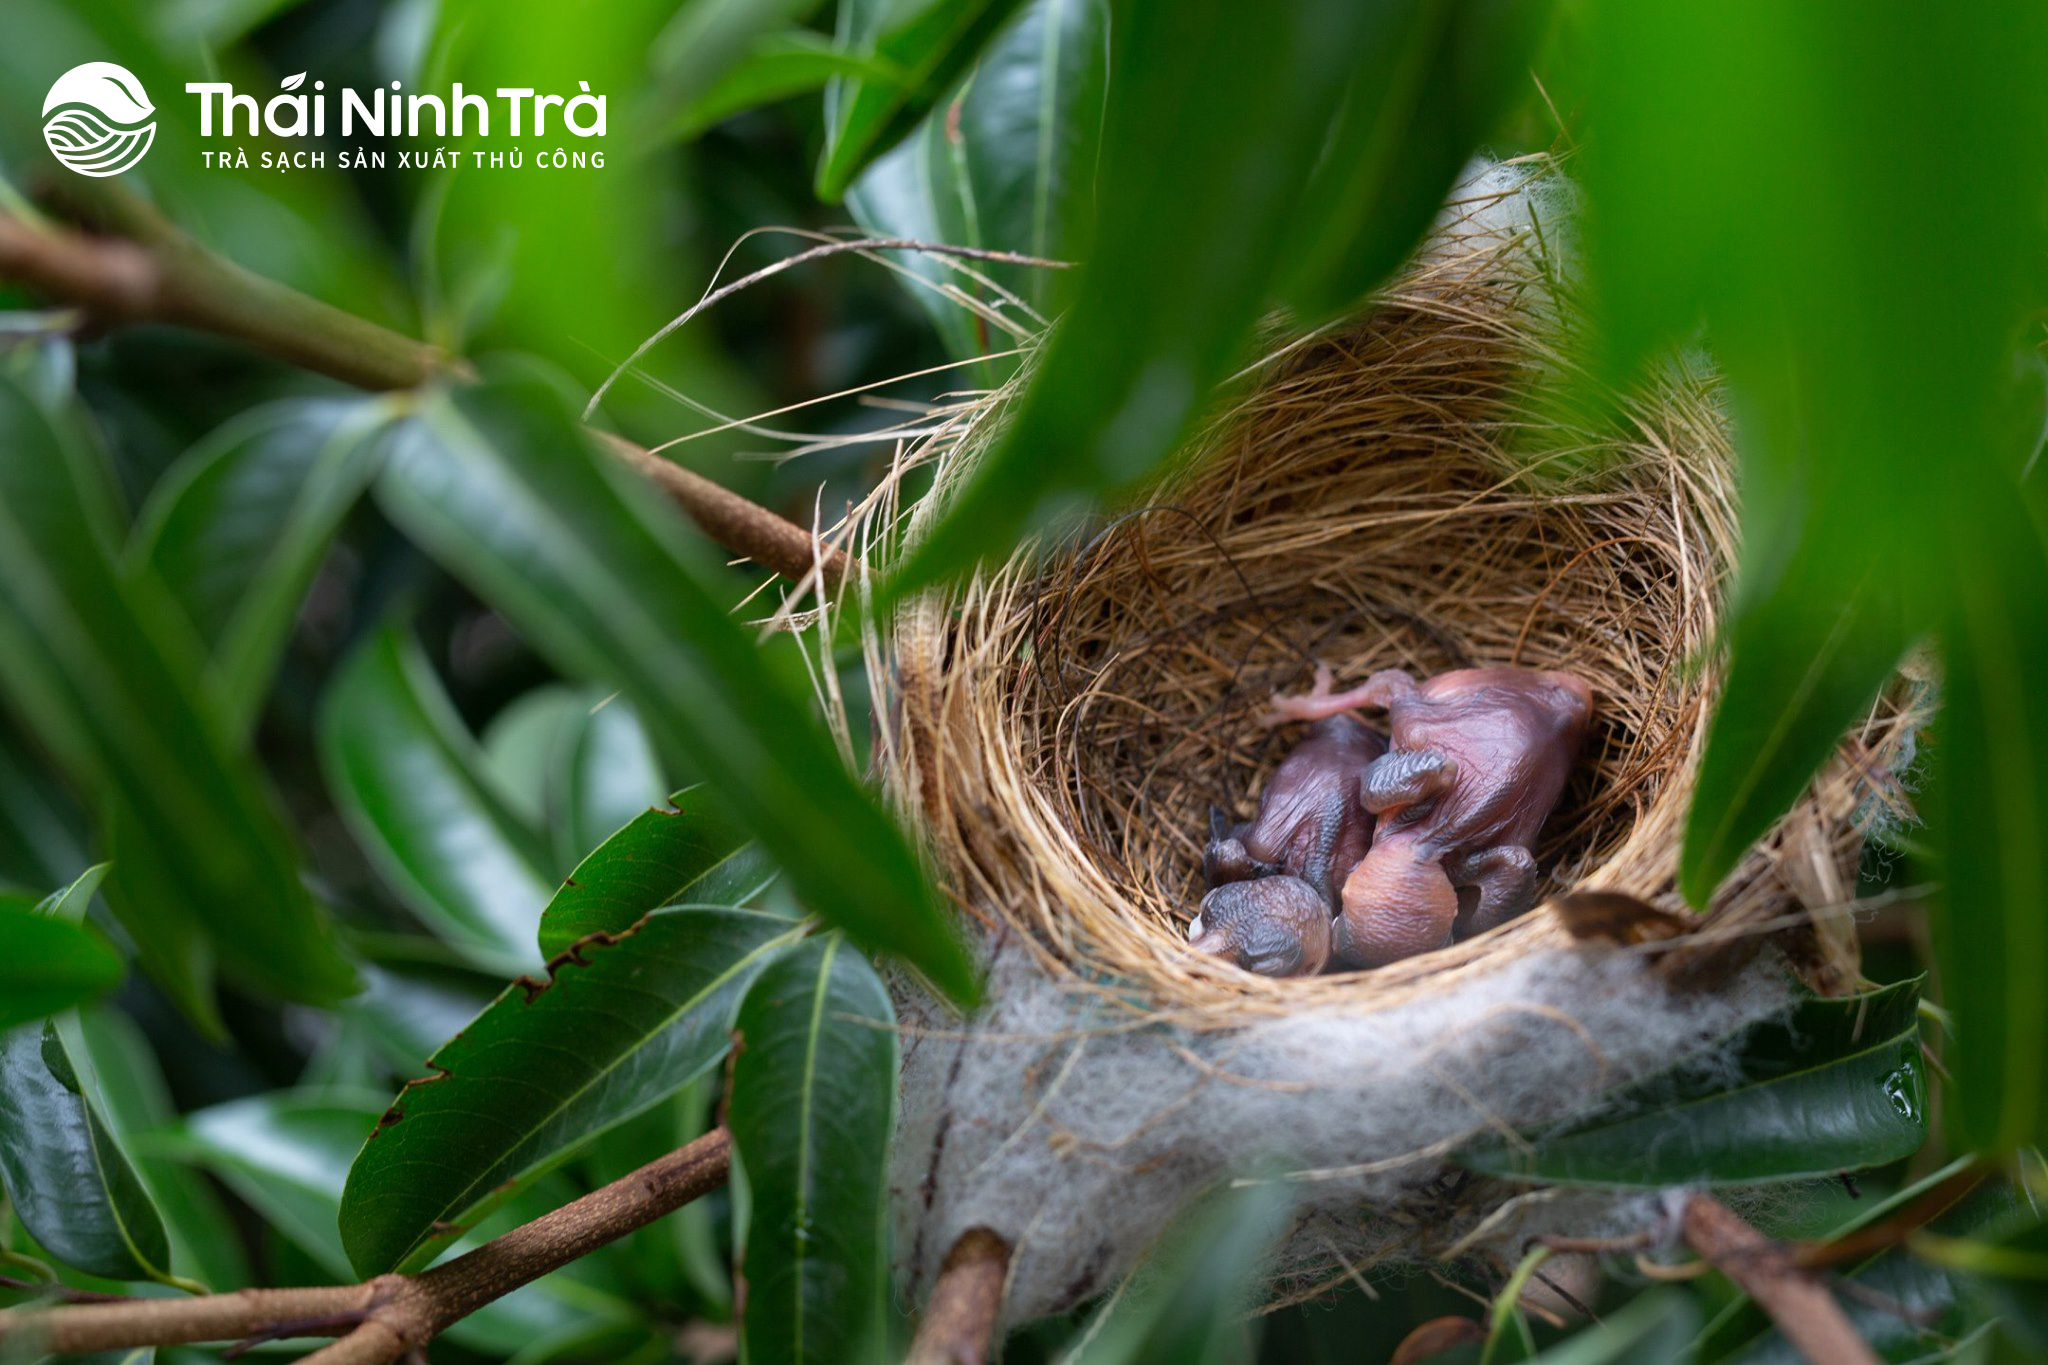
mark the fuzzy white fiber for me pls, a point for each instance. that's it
(1078, 1138)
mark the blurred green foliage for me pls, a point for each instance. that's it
(374, 702)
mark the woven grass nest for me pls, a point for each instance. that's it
(1373, 495)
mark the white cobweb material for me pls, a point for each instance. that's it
(1077, 1137)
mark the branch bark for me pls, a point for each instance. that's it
(153, 273)
(1770, 1273)
(960, 1317)
(382, 1319)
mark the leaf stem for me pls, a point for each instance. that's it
(149, 271)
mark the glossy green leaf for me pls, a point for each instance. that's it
(1432, 81)
(1184, 1305)
(131, 1098)
(930, 42)
(240, 524)
(66, 1176)
(1988, 808)
(811, 1109)
(615, 1029)
(1007, 162)
(688, 851)
(1837, 1085)
(101, 668)
(287, 1153)
(419, 798)
(503, 486)
(50, 962)
(1217, 112)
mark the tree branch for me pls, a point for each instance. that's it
(960, 1317)
(384, 1318)
(153, 273)
(1770, 1273)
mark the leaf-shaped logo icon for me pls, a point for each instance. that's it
(293, 82)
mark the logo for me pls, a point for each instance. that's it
(98, 120)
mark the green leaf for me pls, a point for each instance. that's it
(286, 1154)
(49, 959)
(70, 1183)
(931, 42)
(240, 524)
(1432, 82)
(504, 487)
(1655, 1326)
(609, 776)
(615, 1029)
(690, 851)
(705, 47)
(1988, 808)
(812, 1107)
(777, 67)
(1006, 163)
(575, 761)
(1835, 1086)
(103, 671)
(1217, 111)
(1183, 1304)
(416, 792)
(1802, 671)
(131, 1098)
(1827, 190)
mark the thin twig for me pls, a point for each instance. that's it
(1769, 1273)
(960, 1318)
(154, 273)
(391, 1315)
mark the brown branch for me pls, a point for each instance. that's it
(960, 1318)
(153, 273)
(1770, 1273)
(391, 1315)
(733, 521)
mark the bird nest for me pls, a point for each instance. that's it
(1417, 488)
(1393, 492)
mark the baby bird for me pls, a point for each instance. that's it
(1275, 926)
(1478, 760)
(1310, 824)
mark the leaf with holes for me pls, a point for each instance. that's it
(1836, 1085)
(813, 1101)
(622, 1022)
(689, 851)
